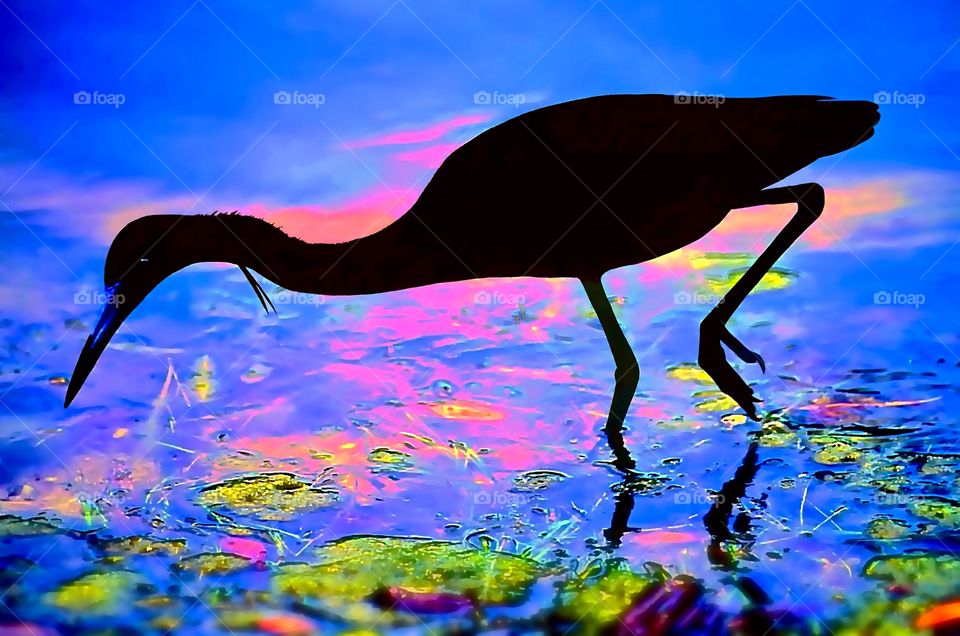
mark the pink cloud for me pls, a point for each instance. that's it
(422, 135)
(859, 211)
(429, 157)
(846, 207)
(358, 216)
(850, 210)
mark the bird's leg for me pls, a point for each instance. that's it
(809, 198)
(626, 376)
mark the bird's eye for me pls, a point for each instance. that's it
(144, 260)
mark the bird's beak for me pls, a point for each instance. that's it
(112, 316)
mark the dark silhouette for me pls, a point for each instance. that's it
(717, 519)
(570, 190)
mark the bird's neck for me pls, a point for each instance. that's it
(360, 266)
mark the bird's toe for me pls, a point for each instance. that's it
(729, 382)
(717, 329)
(714, 362)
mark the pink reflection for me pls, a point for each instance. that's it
(250, 548)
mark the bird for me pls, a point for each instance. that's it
(570, 190)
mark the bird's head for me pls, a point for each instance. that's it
(143, 255)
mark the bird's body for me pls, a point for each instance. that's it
(580, 188)
(570, 190)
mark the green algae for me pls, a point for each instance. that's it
(689, 373)
(835, 451)
(887, 529)
(13, 526)
(96, 593)
(713, 401)
(389, 460)
(733, 419)
(881, 616)
(217, 563)
(926, 574)
(922, 580)
(945, 512)
(774, 434)
(141, 545)
(534, 480)
(938, 466)
(267, 496)
(642, 483)
(384, 455)
(888, 487)
(596, 600)
(353, 569)
(165, 624)
(727, 259)
(776, 278)
(230, 596)
(157, 601)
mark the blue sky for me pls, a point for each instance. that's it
(197, 81)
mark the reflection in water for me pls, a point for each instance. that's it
(481, 428)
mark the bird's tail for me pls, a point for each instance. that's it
(788, 133)
(838, 125)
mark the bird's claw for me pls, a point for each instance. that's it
(734, 344)
(714, 362)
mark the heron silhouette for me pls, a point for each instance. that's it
(570, 190)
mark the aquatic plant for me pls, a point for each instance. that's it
(356, 569)
(140, 545)
(912, 588)
(603, 591)
(106, 592)
(534, 480)
(217, 563)
(267, 496)
(13, 526)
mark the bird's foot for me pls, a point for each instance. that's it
(714, 362)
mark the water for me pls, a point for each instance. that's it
(422, 414)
